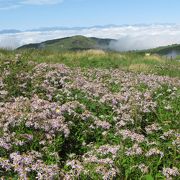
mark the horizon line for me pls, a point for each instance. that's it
(91, 26)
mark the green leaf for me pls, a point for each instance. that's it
(149, 177)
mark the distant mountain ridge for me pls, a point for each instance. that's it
(8, 31)
(56, 28)
(73, 43)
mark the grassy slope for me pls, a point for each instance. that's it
(165, 49)
(135, 62)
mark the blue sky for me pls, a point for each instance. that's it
(27, 14)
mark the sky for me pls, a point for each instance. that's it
(141, 24)
(30, 14)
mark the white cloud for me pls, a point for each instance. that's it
(129, 37)
(9, 4)
(9, 7)
(41, 2)
(13, 4)
(145, 37)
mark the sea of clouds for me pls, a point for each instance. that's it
(130, 37)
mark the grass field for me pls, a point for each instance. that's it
(136, 62)
(89, 115)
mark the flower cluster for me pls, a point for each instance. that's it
(169, 173)
(63, 123)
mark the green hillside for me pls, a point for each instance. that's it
(166, 50)
(71, 44)
(76, 43)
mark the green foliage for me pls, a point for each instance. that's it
(16, 76)
(168, 106)
(148, 177)
(94, 106)
(142, 87)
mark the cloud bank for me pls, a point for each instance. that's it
(135, 37)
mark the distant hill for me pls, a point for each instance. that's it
(79, 42)
(73, 43)
(168, 51)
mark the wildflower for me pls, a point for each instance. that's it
(58, 110)
(168, 107)
(132, 135)
(105, 149)
(154, 151)
(5, 164)
(134, 150)
(76, 166)
(143, 168)
(107, 173)
(102, 124)
(170, 172)
(154, 127)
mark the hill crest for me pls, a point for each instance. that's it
(72, 43)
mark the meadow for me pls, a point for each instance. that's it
(89, 115)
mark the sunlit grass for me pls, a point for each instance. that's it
(129, 61)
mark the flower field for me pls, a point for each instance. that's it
(59, 122)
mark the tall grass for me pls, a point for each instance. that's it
(130, 61)
(99, 59)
